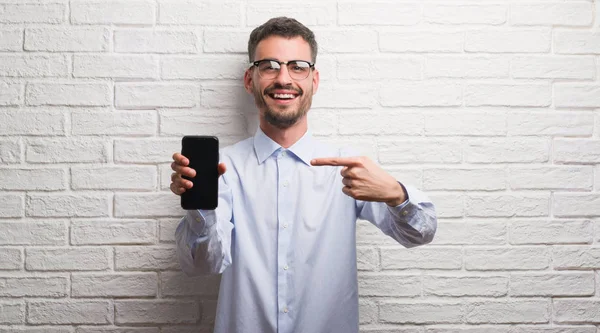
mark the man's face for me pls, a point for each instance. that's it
(282, 100)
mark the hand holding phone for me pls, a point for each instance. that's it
(197, 170)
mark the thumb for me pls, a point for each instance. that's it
(221, 168)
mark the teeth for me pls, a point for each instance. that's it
(287, 96)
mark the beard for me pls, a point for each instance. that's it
(283, 116)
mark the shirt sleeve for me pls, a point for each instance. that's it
(411, 223)
(203, 237)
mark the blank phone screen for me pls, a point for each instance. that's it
(203, 154)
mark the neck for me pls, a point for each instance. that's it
(285, 137)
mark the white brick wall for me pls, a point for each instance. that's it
(491, 107)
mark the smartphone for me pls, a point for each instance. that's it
(203, 154)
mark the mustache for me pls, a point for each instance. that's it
(271, 89)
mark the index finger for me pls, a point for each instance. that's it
(180, 159)
(335, 161)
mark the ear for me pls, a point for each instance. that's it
(315, 80)
(248, 81)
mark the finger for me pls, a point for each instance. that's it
(222, 168)
(348, 182)
(348, 191)
(180, 159)
(177, 190)
(183, 170)
(336, 161)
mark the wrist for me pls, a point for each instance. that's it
(399, 197)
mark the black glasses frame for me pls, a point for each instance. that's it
(311, 65)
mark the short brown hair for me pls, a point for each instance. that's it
(283, 27)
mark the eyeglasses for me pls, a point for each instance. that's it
(269, 68)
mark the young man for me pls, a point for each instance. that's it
(284, 234)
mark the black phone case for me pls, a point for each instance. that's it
(203, 154)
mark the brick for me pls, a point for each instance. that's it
(420, 94)
(69, 258)
(337, 97)
(407, 176)
(554, 67)
(11, 205)
(464, 179)
(33, 65)
(378, 13)
(115, 66)
(367, 310)
(11, 39)
(148, 205)
(576, 311)
(225, 41)
(117, 178)
(551, 178)
(580, 151)
(155, 41)
(177, 284)
(552, 284)
(155, 95)
(199, 13)
(465, 285)
(33, 233)
(535, 95)
(389, 285)
(552, 14)
(577, 42)
(465, 14)
(576, 257)
(466, 67)
(71, 39)
(551, 232)
(103, 232)
(419, 151)
(167, 228)
(502, 41)
(507, 205)
(369, 234)
(367, 258)
(32, 179)
(10, 151)
(70, 312)
(66, 150)
(362, 146)
(33, 329)
(465, 124)
(322, 122)
(114, 285)
(113, 12)
(311, 13)
(512, 329)
(550, 124)
(144, 258)
(11, 258)
(421, 258)
(156, 312)
(336, 41)
(381, 122)
(191, 123)
(470, 233)
(577, 95)
(447, 205)
(51, 13)
(11, 94)
(25, 122)
(379, 68)
(129, 123)
(203, 68)
(30, 286)
(517, 258)
(146, 151)
(69, 94)
(94, 329)
(12, 312)
(67, 205)
(421, 41)
(508, 312)
(221, 96)
(421, 312)
(510, 150)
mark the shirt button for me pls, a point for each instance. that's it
(285, 225)
(404, 212)
(285, 267)
(198, 219)
(283, 154)
(285, 310)
(285, 183)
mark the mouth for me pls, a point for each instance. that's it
(283, 97)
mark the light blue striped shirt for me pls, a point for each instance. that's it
(284, 238)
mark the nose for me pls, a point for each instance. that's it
(283, 77)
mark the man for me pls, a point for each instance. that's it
(284, 233)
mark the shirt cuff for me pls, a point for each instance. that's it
(404, 210)
(200, 221)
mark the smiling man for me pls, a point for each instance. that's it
(284, 234)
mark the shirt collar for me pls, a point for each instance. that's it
(265, 147)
